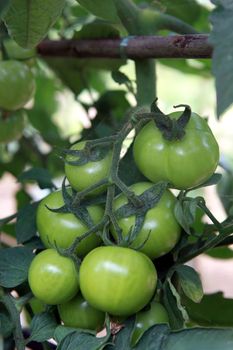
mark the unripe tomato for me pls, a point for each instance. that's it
(53, 278)
(79, 314)
(185, 163)
(12, 127)
(62, 228)
(117, 280)
(159, 225)
(148, 318)
(82, 176)
(17, 85)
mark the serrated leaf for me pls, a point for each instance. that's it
(81, 341)
(154, 338)
(28, 21)
(122, 340)
(213, 311)
(40, 175)
(61, 332)
(222, 22)
(190, 282)
(26, 223)
(14, 264)
(176, 318)
(199, 338)
(43, 326)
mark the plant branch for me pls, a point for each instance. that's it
(138, 47)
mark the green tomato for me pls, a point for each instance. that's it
(146, 319)
(79, 314)
(53, 278)
(11, 128)
(17, 85)
(159, 225)
(185, 163)
(82, 176)
(117, 280)
(61, 229)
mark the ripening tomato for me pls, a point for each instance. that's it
(117, 280)
(185, 163)
(62, 228)
(17, 85)
(53, 278)
(82, 176)
(159, 225)
(145, 319)
(79, 314)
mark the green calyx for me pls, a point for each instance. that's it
(171, 129)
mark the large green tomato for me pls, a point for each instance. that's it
(62, 228)
(82, 176)
(117, 280)
(79, 314)
(17, 85)
(159, 224)
(53, 278)
(185, 163)
(148, 318)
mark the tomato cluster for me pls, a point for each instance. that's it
(112, 268)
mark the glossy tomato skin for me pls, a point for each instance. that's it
(145, 319)
(159, 223)
(79, 314)
(185, 163)
(117, 280)
(17, 85)
(53, 278)
(63, 228)
(82, 176)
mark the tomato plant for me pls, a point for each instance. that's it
(79, 314)
(89, 173)
(145, 319)
(62, 228)
(117, 280)
(185, 163)
(53, 278)
(17, 85)
(160, 230)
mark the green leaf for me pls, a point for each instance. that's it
(3, 7)
(213, 180)
(198, 338)
(175, 312)
(185, 212)
(43, 326)
(6, 324)
(101, 8)
(120, 77)
(28, 21)
(14, 265)
(220, 253)
(225, 191)
(221, 38)
(26, 223)
(40, 175)
(200, 67)
(190, 282)
(81, 341)
(122, 340)
(61, 332)
(213, 311)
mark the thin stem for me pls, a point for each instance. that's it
(174, 24)
(146, 81)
